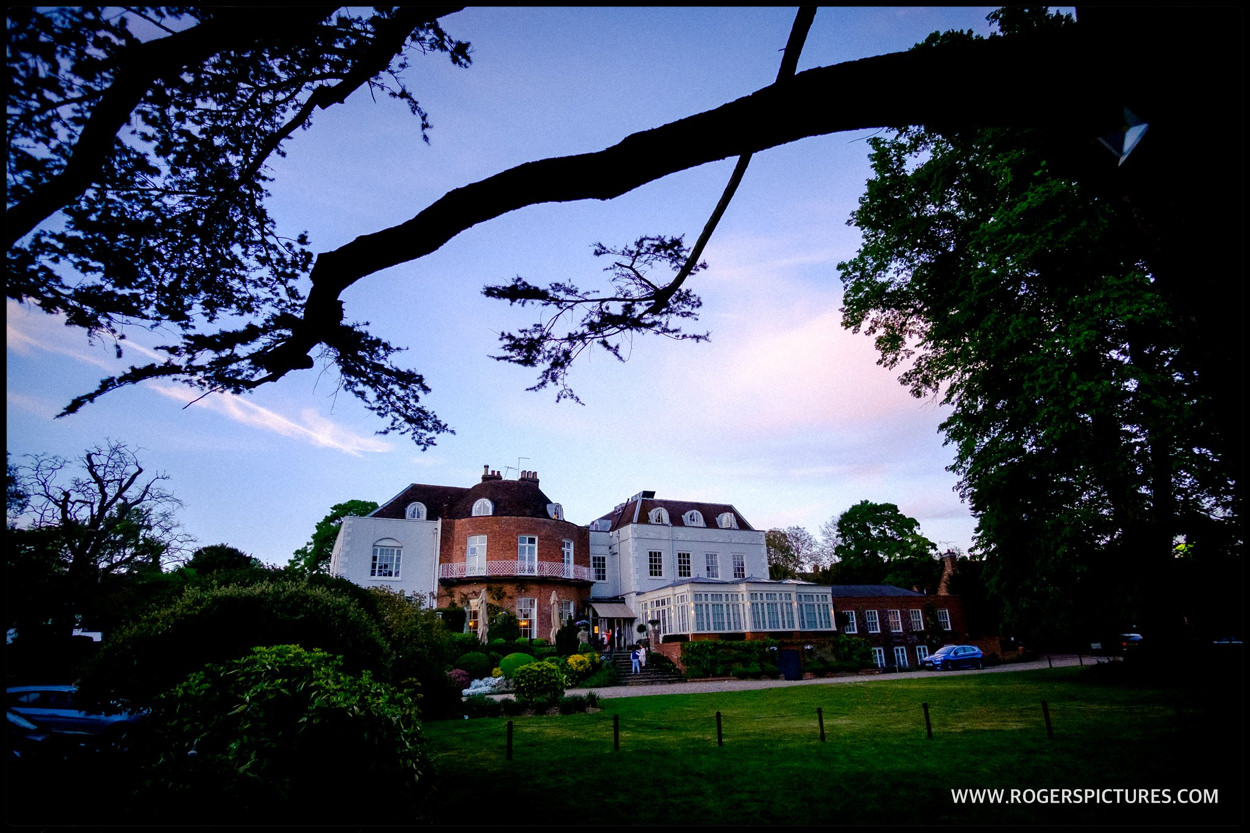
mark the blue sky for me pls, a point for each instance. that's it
(783, 414)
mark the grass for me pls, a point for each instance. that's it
(877, 764)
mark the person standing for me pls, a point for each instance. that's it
(642, 656)
(633, 661)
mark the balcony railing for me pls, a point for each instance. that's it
(496, 569)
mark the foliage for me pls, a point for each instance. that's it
(720, 658)
(574, 703)
(539, 682)
(790, 551)
(637, 303)
(459, 679)
(314, 557)
(504, 627)
(476, 664)
(146, 136)
(454, 617)
(509, 664)
(218, 624)
(420, 648)
(566, 638)
(1085, 440)
(256, 737)
(224, 564)
(580, 666)
(605, 676)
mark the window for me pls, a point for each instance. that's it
(599, 563)
(878, 657)
(566, 611)
(726, 520)
(566, 556)
(716, 612)
(771, 611)
(415, 512)
(555, 511)
(475, 556)
(900, 656)
(922, 651)
(655, 564)
(917, 620)
(711, 565)
(896, 621)
(870, 618)
(658, 515)
(814, 612)
(740, 565)
(693, 518)
(944, 619)
(483, 507)
(526, 610)
(683, 565)
(851, 626)
(527, 555)
(386, 558)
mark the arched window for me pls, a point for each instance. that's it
(659, 515)
(726, 520)
(555, 511)
(693, 518)
(415, 512)
(483, 507)
(387, 555)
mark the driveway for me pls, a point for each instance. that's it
(702, 686)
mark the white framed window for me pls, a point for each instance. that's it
(944, 619)
(483, 507)
(922, 651)
(740, 565)
(566, 611)
(475, 556)
(599, 563)
(526, 611)
(527, 554)
(655, 564)
(726, 520)
(878, 657)
(693, 518)
(415, 512)
(555, 511)
(870, 619)
(711, 565)
(566, 557)
(683, 565)
(659, 515)
(900, 656)
(896, 621)
(851, 625)
(387, 555)
(917, 619)
(814, 612)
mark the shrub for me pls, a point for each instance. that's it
(579, 665)
(539, 682)
(575, 703)
(509, 664)
(605, 677)
(219, 624)
(459, 679)
(255, 737)
(479, 705)
(476, 664)
(505, 627)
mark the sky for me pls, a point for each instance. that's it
(783, 413)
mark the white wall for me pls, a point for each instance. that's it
(418, 570)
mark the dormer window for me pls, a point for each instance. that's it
(483, 507)
(727, 520)
(555, 511)
(693, 518)
(415, 512)
(659, 515)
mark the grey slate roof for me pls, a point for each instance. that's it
(852, 591)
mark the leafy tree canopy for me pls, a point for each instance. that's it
(314, 557)
(137, 175)
(878, 543)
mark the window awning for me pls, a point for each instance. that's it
(612, 610)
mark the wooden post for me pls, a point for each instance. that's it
(509, 740)
(820, 718)
(720, 738)
(1050, 732)
(928, 727)
(616, 732)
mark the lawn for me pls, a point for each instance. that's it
(877, 764)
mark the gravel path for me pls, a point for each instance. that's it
(703, 686)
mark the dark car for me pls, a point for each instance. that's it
(52, 708)
(954, 656)
(1117, 645)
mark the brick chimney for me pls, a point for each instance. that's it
(948, 570)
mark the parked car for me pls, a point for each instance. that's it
(954, 656)
(1117, 644)
(52, 709)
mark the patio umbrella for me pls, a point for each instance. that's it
(483, 627)
(555, 616)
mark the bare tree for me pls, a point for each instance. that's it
(104, 513)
